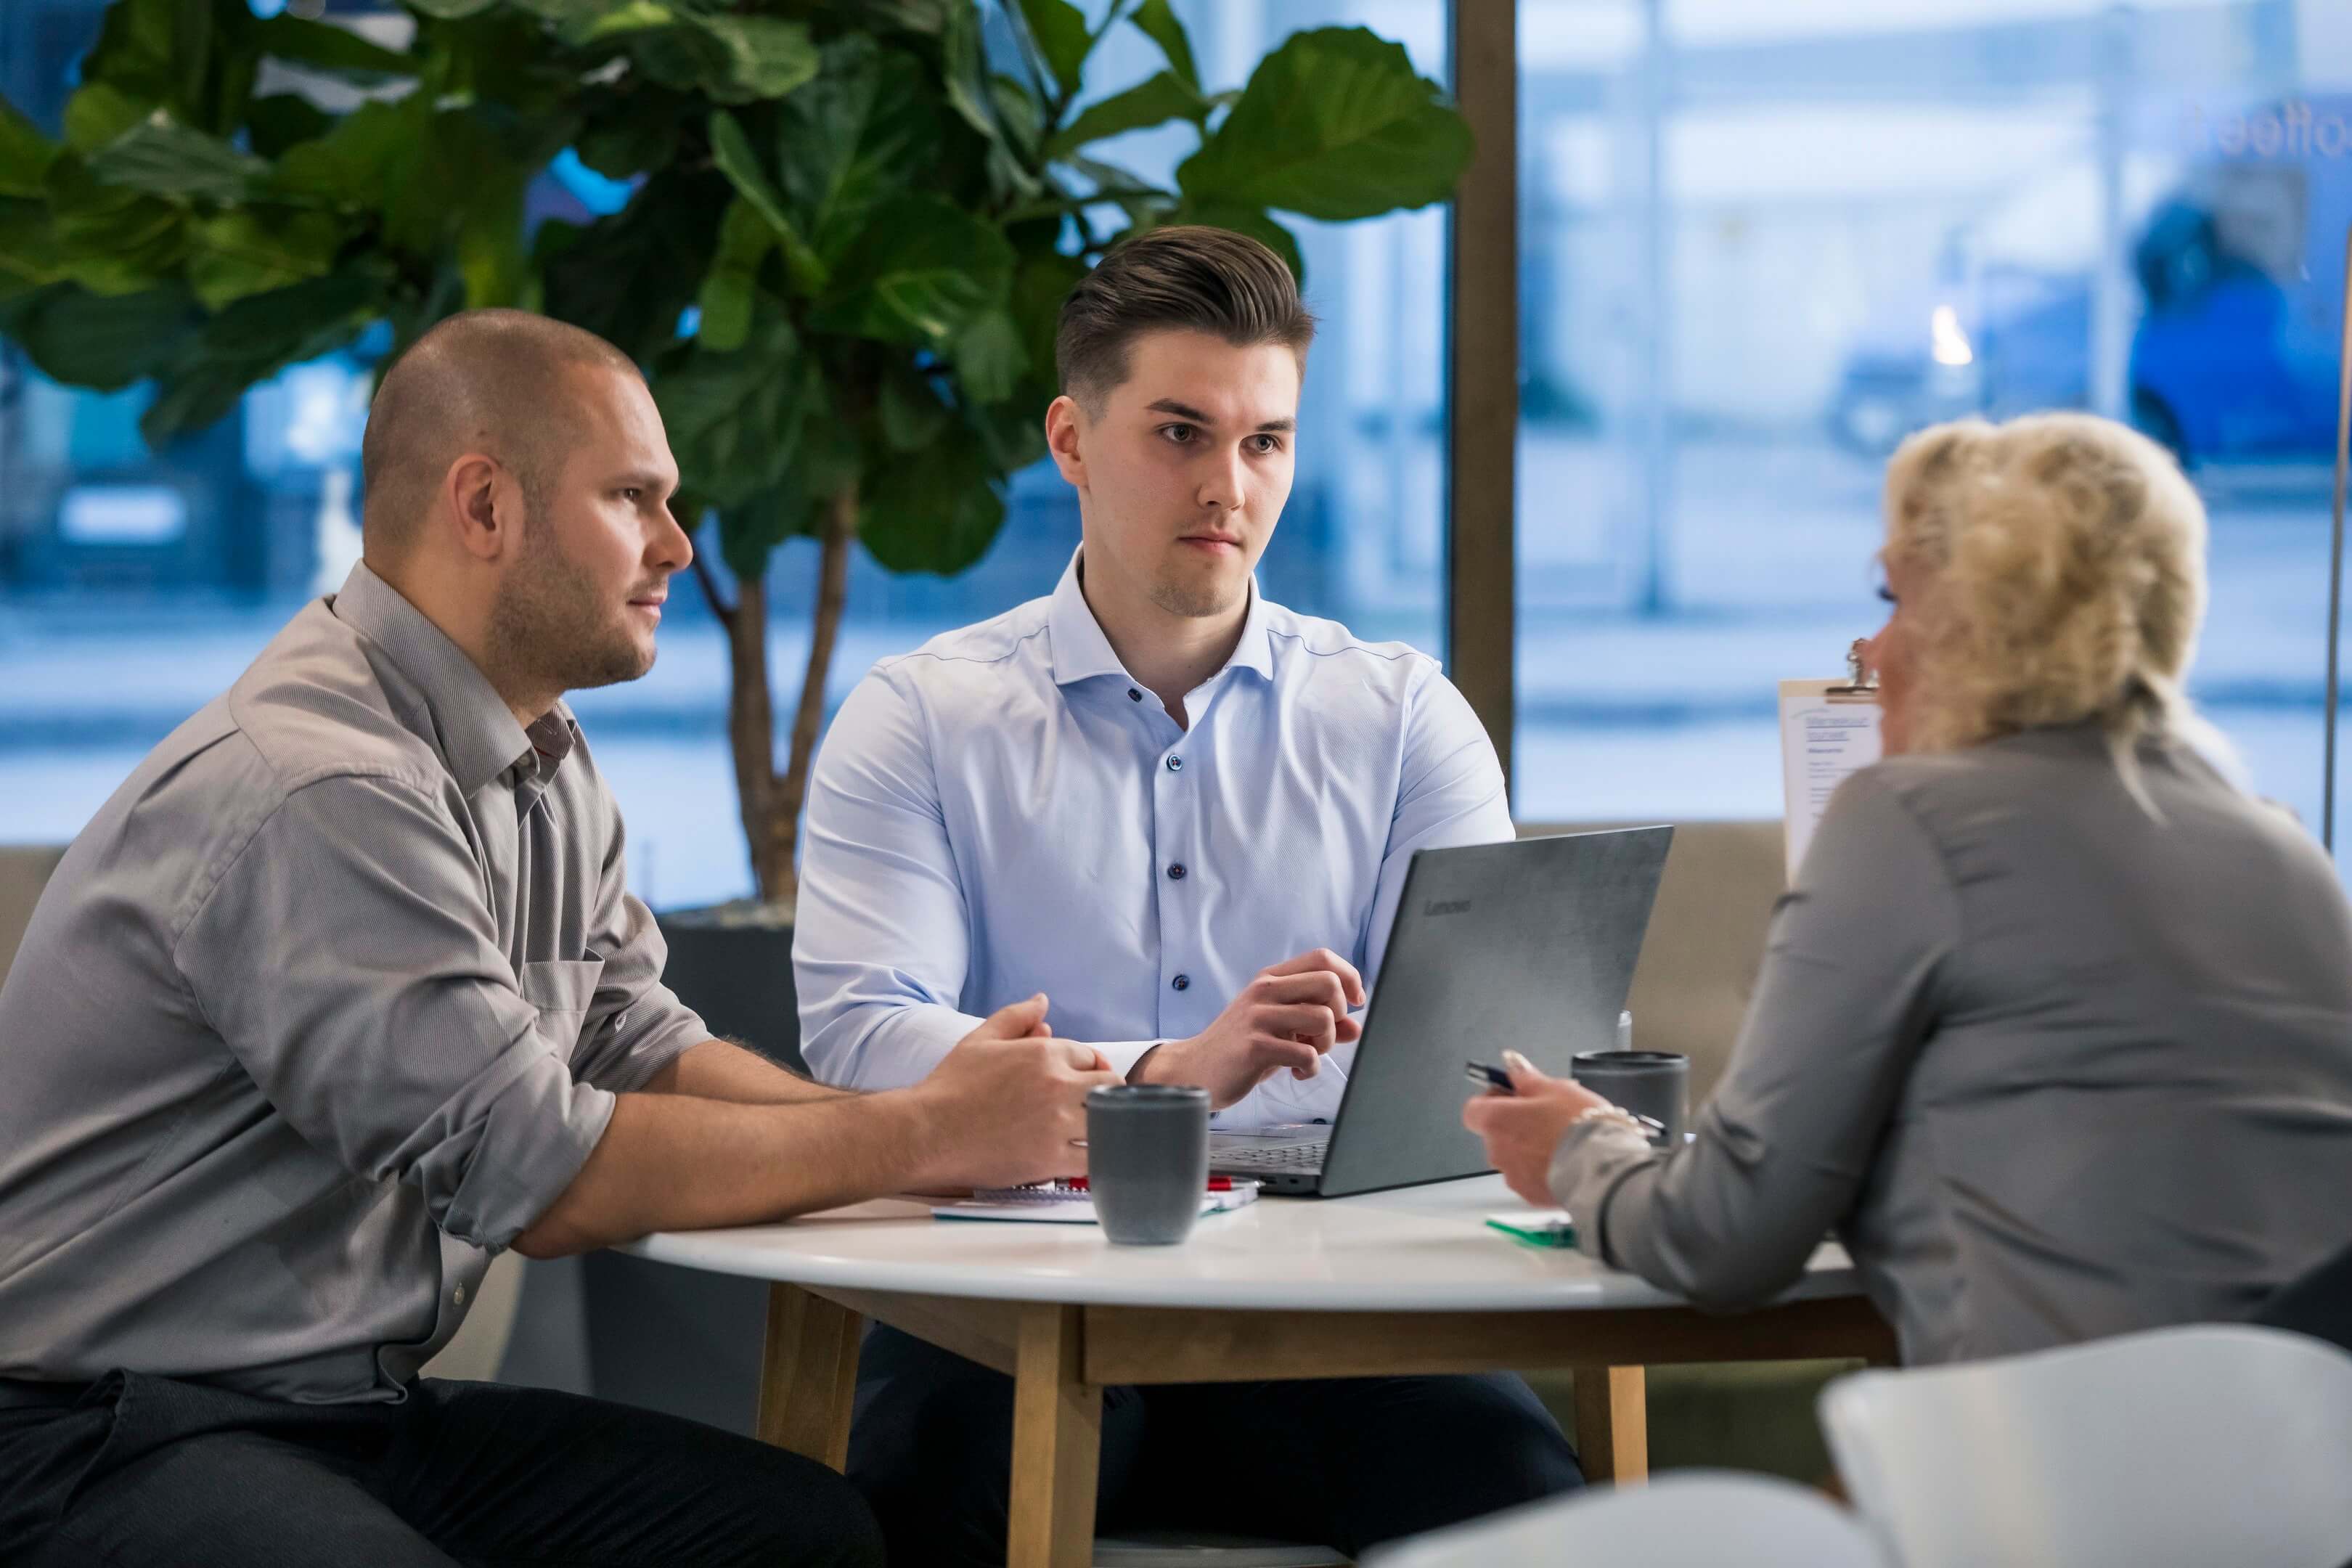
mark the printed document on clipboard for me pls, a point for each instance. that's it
(1829, 729)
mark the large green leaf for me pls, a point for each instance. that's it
(627, 277)
(99, 112)
(165, 158)
(1041, 282)
(323, 46)
(354, 164)
(1158, 19)
(1059, 29)
(868, 127)
(28, 248)
(255, 339)
(734, 419)
(283, 121)
(252, 250)
(732, 60)
(733, 280)
(133, 55)
(25, 153)
(112, 240)
(1333, 125)
(1153, 102)
(448, 10)
(103, 342)
(938, 515)
(988, 356)
(749, 530)
(907, 410)
(923, 268)
(731, 150)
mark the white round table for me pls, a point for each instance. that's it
(1411, 1282)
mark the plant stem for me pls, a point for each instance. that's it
(780, 877)
(751, 722)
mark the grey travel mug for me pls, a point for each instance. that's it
(1656, 1084)
(1147, 1161)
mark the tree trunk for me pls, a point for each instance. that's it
(750, 715)
(771, 801)
(824, 630)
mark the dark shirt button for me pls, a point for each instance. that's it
(1181, 983)
(1133, 695)
(1175, 764)
(1176, 873)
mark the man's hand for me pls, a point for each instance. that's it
(1523, 1129)
(1289, 1016)
(1008, 1104)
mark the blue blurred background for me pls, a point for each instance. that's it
(1758, 245)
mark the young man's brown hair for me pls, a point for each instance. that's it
(1185, 278)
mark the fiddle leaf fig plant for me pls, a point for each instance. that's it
(849, 229)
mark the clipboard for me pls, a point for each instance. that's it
(1829, 730)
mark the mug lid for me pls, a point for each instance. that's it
(1143, 1095)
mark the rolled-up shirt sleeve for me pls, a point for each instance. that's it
(1845, 999)
(348, 957)
(636, 1025)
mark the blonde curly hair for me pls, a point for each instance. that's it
(2064, 559)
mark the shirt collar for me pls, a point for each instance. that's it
(1080, 651)
(478, 735)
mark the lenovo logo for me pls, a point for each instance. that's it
(1445, 907)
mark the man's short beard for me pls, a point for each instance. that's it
(547, 622)
(1192, 602)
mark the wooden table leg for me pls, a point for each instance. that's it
(1613, 1424)
(1057, 1443)
(808, 1375)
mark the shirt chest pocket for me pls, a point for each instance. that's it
(562, 990)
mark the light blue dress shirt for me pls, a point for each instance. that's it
(1006, 810)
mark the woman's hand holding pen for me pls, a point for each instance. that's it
(1523, 1126)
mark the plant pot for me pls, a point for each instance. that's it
(733, 964)
(678, 1340)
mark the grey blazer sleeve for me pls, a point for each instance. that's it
(1846, 996)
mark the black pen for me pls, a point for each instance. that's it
(1489, 1075)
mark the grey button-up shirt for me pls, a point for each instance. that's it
(2052, 1066)
(327, 1004)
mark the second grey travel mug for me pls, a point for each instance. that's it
(1147, 1161)
(1656, 1084)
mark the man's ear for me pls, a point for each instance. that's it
(1066, 425)
(481, 501)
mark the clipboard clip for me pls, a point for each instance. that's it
(1860, 681)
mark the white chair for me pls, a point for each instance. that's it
(1689, 1519)
(2186, 1447)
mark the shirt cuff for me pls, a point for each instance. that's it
(1123, 1055)
(1591, 1161)
(652, 1052)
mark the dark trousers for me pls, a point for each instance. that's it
(1340, 1462)
(147, 1470)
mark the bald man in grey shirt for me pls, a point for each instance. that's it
(343, 992)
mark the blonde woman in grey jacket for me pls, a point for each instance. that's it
(2055, 1030)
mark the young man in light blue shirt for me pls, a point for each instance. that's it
(1184, 816)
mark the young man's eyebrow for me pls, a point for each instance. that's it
(1186, 411)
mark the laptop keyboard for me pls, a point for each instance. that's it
(1281, 1157)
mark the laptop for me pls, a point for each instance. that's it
(1526, 945)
